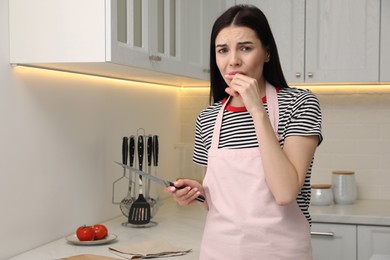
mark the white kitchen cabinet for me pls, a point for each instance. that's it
(325, 40)
(287, 21)
(374, 241)
(144, 40)
(198, 18)
(349, 242)
(148, 29)
(333, 241)
(385, 41)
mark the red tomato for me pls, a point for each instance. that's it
(101, 231)
(85, 233)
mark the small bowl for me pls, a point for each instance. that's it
(321, 194)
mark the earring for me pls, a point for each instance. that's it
(268, 58)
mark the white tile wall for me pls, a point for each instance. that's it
(356, 128)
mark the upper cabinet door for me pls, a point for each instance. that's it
(170, 36)
(287, 22)
(342, 40)
(321, 41)
(385, 42)
(197, 19)
(145, 32)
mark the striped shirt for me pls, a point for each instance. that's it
(299, 115)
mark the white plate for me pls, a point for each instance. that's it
(74, 240)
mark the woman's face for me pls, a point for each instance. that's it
(238, 50)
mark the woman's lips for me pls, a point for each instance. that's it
(232, 73)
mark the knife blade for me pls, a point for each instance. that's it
(157, 180)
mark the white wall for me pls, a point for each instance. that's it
(59, 136)
(356, 129)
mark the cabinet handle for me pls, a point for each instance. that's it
(325, 234)
(298, 74)
(310, 74)
(154, 58)
(206, 70)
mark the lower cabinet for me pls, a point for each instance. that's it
(374, 242)
(333, 241)
(349, 242)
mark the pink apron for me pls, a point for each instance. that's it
(244, 221)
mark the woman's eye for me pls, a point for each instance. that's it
(245, 48)
(222, 50)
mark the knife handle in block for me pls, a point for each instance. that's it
(149, 149)
(125, 149)
(155, 150)
(140, 151)
(132, 150)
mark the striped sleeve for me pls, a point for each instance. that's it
(200, 150)
(305, 117)
(203, 133)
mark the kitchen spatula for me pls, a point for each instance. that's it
(140, 209)
(128, 200)
(125, 152)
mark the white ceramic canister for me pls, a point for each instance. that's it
(321, 194)
(344, 187)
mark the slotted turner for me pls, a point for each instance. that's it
(125, 151)
(140, 209)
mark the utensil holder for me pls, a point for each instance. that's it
(150, 189)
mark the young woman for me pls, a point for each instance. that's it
(257, 140)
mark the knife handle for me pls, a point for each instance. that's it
(125, 149)
(140, 151)
(132, 150)
(200, 198)
(155, 150)
(149, 150)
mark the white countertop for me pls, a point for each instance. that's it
(364, 212)
(183, 227)
(180, 226)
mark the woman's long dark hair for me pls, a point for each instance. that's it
(253, 18)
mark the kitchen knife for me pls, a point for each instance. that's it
(140, 151)
(155, 151)
(125, 151)
(156, 179)
(132, 157)
(149, 151)
(132, 150)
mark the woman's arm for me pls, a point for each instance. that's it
(285, 169)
